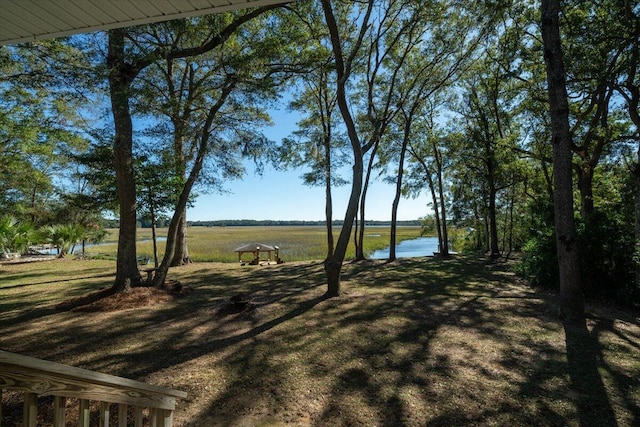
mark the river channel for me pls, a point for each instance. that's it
(422, 246)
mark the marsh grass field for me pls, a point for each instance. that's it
(296, 243)
(416, 342)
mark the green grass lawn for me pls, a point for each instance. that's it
(419, 342)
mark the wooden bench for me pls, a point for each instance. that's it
(150, 272)
(35, 377)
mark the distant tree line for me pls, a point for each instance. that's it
(270, 223)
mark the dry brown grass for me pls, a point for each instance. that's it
(411, 343)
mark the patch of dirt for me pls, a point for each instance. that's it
(237, 305)
(105, 300)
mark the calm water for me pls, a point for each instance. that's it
(78, 248)
(422, 246)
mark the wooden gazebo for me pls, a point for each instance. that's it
(255, 249)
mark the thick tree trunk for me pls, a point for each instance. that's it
(181, 255)
(631, 93)
(127, 273)
(571, 304)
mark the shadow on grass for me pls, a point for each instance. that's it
(32, 279)
(409, 343)
(584, 357)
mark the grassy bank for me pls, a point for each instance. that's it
(296, 243)
(411, 343)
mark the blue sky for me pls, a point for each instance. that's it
(278, 195)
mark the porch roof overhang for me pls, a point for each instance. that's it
(29, 20)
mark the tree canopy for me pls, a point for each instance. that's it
(520, 121)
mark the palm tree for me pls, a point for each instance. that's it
(63, 237)
(15, 236)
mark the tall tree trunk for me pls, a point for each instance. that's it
(127, 273)
(571, 304)
(438, 199)
(512, 202)
(328, 208)
(487, 232)
(585, 185)
(333, 266)
(436, 211)
(632, 85)
(154, 234)
(493, 221)
(363, 200)
(181, 206)
(444, 250)
(396, 199)
(181, 255)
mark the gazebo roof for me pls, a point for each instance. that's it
(252, 247)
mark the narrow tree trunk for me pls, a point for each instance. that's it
(154, 234)
(127, 273)
(444, 250)
(436, 211)
(396, 199)
(363, 200)
(571, 304)
(181, 206)
(493, 222)
(438, 200)
(512, 203)
(585, 185)
(333, 266)
(328, 209)
(181, 255)
(487, 233)
(494, 247)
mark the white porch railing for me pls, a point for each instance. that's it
(35, 377)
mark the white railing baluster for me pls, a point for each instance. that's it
(83, 413)
(104, 414)
(35, 377)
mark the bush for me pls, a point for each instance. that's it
(539, 263)
(606, 254)
(607, 258)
